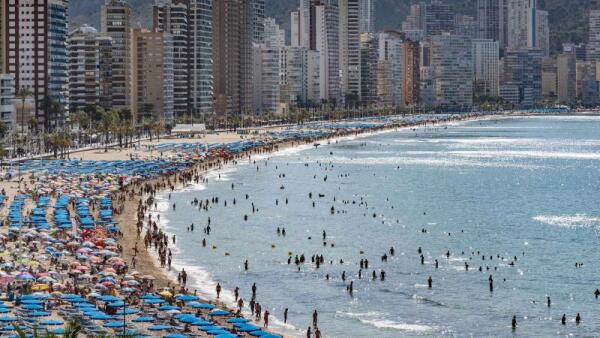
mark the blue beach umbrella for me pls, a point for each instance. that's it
(258, 333)
(186, 298)
(127, 312)
(39, 314)
(196, 305)
(58, 330)
(270, 335)
(31, 301)
(209, 328)
(5, 310)
(109, 298)
(237, 320)
(175, 335)
(143, 320)
(160, 327)
(218, 313)
(117, 304)
(247, 328)
(101, 316)
(218, 332)
(150, 296)
(114, 324)
(201, 322)
(51, 322)
(226, 335)
(169, 308)
(32, 307)
(154, 301)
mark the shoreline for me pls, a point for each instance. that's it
(147, 260)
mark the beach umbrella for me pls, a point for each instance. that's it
(237, 320)
(31, 301)
(169, 308)
(7, 319)
(201, 322)
(40, 314)
(51, 322)
(196, 305)
(218, 313)
(150, 296)
(32, 307)
(258, 333)
(58, 330)
(159, 327)
(218, 332)
(186, 298)
(188, 319)
(270, 335)
(154, 301)
(101, 316)
(127, 312)
(109, 298)
(226, 335)
(114, 324)
(166, 294)
(5, 310)
(143, 320)
(117, 304)
(247, 328)
(207, 328)
(7, 328)
(175, 335)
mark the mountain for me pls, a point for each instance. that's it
(568, 18)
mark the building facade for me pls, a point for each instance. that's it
(452, 61)
(349, 24)
(522, 70)
(201, 57)
(327, 44)
(486, 79)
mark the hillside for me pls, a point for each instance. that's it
(568, 18)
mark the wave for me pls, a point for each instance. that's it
(527, 154)
(406, 327)
(569, 221)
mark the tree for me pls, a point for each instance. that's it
(110, 118)
(23, 94)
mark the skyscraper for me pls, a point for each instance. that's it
(349, 24)
(367, 16)
(593, 46)
(232, 55)
(36, 36)
(173, 17)
(542, 35)
(566, 77)
(411, 54)
(485, 67)
(389, 69)
(439, 18)
(527, 26)
(152, 76)
(522, 77)
(452, 61)
(299, 76)
(368, 69)
(327, 44)
(465, 25)
(115, 23)
(258, 21)
(89, 56)
(201, 57)
(490, 19)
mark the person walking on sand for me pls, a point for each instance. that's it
(266, 319)
(218, 290)
(308, 333)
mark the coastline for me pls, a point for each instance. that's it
(147, 261)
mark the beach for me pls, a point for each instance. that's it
(147, 170)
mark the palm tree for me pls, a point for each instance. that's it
(107, 124)
(23, 94)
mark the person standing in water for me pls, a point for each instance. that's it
(285, 315)
(430, 282)
(218, 290)
(514, 322)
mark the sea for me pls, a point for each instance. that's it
(515, 199)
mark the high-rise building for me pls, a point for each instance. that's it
(2, 36)
(349, 24)
(389, 69)
(490, 19)
(411, 64)
(274, 35)
(549, 83)
(35, 54)
(173, 17)
(258, 21)
(414, 24)
(465, 25)
(327, 44)
(367, 16)
(593, 45)
(585, 70)
(266, 72)
(299, 76)
(542, 35)
(8, 114)
(452, 61)
(439, 18)
(522, 76)
(201, 57)
(115, 23)
(579, 50)
(152, 76)
(89, 56)
(566, 77)
(368, 69)
(300, 25)
(485, 67)
(232, 55)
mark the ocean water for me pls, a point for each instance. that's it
(524, 187)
